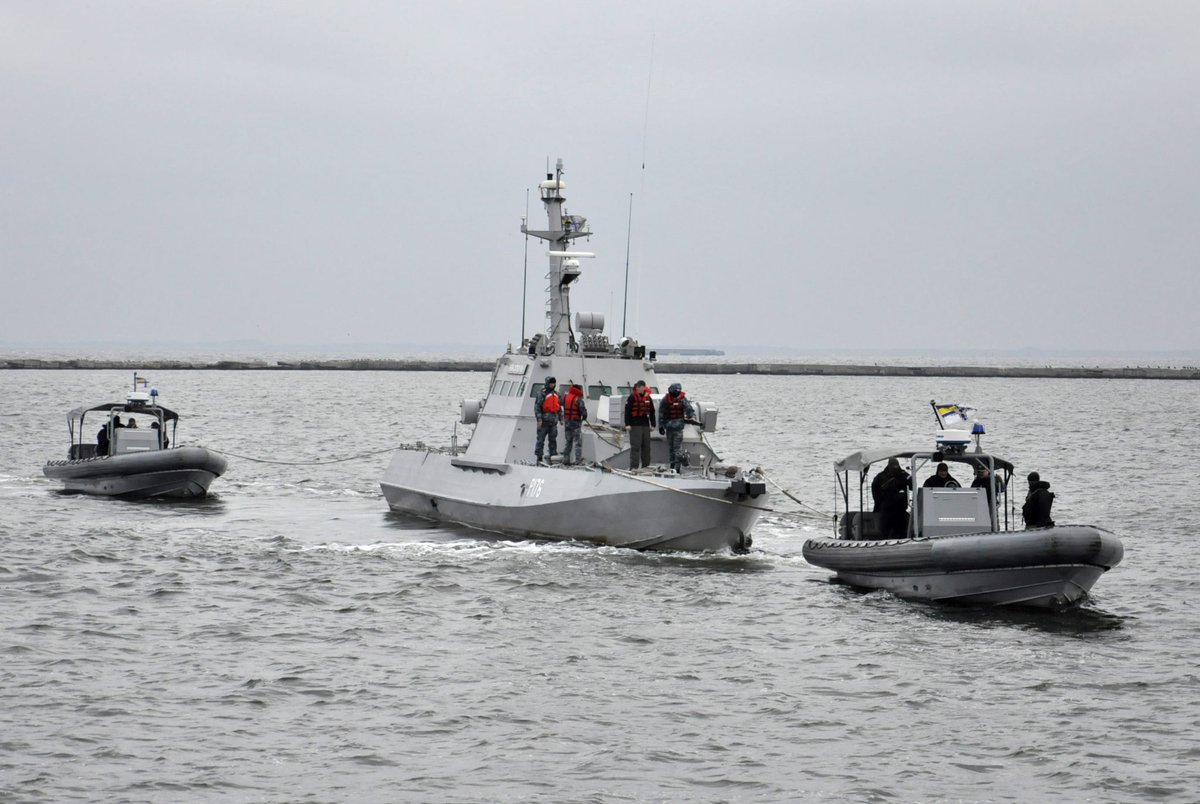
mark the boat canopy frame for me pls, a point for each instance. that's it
(164, 415)
(862, 460)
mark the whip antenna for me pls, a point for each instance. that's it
(525, 269)
(628, 233)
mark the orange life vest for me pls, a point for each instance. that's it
(571, 411)
(550, 403)
(641, 406)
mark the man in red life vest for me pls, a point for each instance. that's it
(548, 412)
(574, 413)
(639, 418)
(674, 411)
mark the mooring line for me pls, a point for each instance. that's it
(815, 514)
(304, 463)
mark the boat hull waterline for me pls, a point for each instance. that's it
(1045, 567)
(580, 503)
(183, 472)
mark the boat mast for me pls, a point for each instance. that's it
(564, 265)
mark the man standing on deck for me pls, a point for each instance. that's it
(674, 411)
(1036, 510)
(983, 480)
(639, 418)
(574, 413)
(549, 414)
(889, 490)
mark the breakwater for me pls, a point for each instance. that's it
(662, 367)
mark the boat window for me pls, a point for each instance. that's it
(597, 391)
(536, 389)
(506, 387)
(496, 387)
(624, 390)
(521, 390)
(654, 389)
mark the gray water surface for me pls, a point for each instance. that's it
(289, 639)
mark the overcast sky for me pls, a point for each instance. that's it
(820, 175)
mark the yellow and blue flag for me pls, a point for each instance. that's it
(953, 416)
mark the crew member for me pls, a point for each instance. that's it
(942, 479)
(1038, 502)
(983, 480)
(639, 418)
(674, 411)
(889, 490)
(548, 411)
(574, 413)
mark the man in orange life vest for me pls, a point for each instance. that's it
(673, 412)
(639, 418)
(547, 410)
(574, 412)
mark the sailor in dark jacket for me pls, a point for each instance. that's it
(102, 444)
(674, 411)
(548, 412)
(889, 490)
(942, 479)
(983, 480)
(1036, 509)
(639, 419)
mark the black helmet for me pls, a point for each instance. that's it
(675, 388)
(550, 381)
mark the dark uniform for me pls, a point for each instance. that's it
(1036, 509)
(639, 419)
(574, 413)
(673, 412)
(941, 480)
(549, 414)
(889, 490)
(983, 480)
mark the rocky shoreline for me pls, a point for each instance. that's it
(662, 367)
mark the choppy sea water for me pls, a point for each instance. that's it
(289, 639)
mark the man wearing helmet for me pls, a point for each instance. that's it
(673, 412)
(548, 412)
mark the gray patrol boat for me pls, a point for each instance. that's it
(960, 545)
(132, 461)
(496, 484)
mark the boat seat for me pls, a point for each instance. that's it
(860, 525)
(81, 451)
